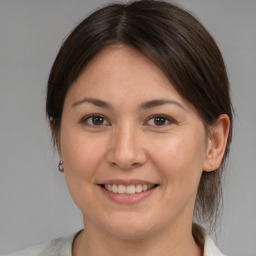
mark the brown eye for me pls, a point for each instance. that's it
(159, 120)
(95, 120)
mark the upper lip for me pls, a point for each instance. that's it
(126, 182)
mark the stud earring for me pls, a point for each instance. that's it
(60, 166)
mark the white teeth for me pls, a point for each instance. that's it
(121, 189)
(144, 187)
(138, 188)
(130, 189)
(114, 188)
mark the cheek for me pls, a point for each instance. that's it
(179, 158)
(82, 159)
(81, 154)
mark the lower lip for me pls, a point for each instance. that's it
(128, 198)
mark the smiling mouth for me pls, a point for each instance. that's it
(129, 190)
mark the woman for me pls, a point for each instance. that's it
(139, 108)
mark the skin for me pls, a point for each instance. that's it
(128, 143)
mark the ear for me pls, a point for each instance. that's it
(217, 141)
(54, 135)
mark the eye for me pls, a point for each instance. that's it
(159, 120)
(95, 120)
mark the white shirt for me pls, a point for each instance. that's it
(63, 247)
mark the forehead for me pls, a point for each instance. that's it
(124, 70)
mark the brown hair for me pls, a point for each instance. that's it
(177, 43)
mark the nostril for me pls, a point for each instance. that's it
(135, 164)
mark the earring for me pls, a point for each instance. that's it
(60, 166)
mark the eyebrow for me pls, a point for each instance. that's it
(143, 105)
(96, 102)
(159, 102)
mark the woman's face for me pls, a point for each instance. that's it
(133, 148)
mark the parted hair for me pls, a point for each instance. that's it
(179, 45)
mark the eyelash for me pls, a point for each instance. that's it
(164, 117)
(85, 120)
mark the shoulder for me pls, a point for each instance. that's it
(57, 247)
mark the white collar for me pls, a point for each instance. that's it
(210, 249)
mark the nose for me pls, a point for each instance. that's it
(126, 148)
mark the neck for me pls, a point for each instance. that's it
(93, 242)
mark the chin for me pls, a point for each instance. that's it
(130, 227)
(130, 233)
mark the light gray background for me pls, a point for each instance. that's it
(35, 205)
